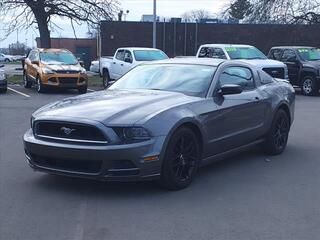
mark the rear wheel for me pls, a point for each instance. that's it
(40, 87)
(26, 82)
(277, 137)
(181, 160)
(105, 78)
(309, 86)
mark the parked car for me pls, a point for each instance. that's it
(303, 65)
(3, 80)
(94, 67)
(57, 68)
(5, 58)
(112, 68)
(246, 52)
(162, 120)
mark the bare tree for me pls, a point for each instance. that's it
(196, 15)
(239, 9)
(284, 11)
(20, 14)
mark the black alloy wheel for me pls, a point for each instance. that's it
(181, 160)
(277, 137)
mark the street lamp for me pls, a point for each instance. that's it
(154, 44)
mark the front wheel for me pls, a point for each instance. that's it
(40, 87)
(309, 86)
(277, 137)
(83, 90)
(181, 160)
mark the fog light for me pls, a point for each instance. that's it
(151, 158)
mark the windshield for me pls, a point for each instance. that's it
(60, 58)
(192, 80)
(149, 55)
(309, 54)
(245, 53)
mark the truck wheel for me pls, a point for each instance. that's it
(26, 82)
(309, 86)
(7, 60)
(105, 78)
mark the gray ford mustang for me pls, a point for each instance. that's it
(162, 120)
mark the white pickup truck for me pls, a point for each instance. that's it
(244, 52)
(112, 68)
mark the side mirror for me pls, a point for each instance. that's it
(35, 62)
(230, 89)
(128, 60)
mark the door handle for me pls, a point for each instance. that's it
(114, 62)
(121, 64)
(256, 99)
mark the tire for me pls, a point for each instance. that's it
(40, 87)
(3, 90)
(181, 160)
(105, 78)
(26, 82)
(83, 90)
(277, 137)
(309, 86)
(7, 60)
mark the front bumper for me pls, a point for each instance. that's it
(109, 162)
(65, 80)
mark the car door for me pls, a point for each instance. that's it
(239, 118)
(30, 65)
(128, 62)
(116, 64)
(290, 58)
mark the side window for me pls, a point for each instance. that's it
(128, 56)
(265, 78)
(120, 55)
(276, 54)
(32, 56)
(238, 75)
(288, 56)
(208, 52)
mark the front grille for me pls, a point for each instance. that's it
(66, 80)
(71, 132)
(67, 71)
(81, 166)
(275, 72)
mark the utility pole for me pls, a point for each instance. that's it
(154, 43)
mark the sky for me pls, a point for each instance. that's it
(165, 8)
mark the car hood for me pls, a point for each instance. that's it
(265, 63)
(115, 107)
(59, 67)
(312, 64)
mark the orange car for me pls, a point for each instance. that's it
(54, 68)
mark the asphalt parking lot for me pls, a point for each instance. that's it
(248, 196)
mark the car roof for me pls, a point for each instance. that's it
(192, 61)
(292, 47)
(52, 50)
(138, 48)
(226, 45)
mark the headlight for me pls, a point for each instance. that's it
(47, 71)
(32, 121)
(2, 76)
(132, 134)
